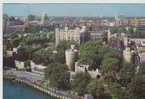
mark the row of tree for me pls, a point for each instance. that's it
(132, 32)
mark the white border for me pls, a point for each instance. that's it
(1, 55)
(73, 1)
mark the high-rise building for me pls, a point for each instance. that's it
(121, 20)
(5, 22)
(44, 18)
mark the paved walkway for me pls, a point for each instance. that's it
(33, 77)
(24, 74)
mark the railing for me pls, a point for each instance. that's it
(50, 91)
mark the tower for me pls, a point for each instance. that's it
(44, 18)
(127, 55)
(70, 55)
(57, 36)
(108, 35)
(125, 40)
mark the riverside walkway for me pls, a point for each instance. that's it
(31, 79)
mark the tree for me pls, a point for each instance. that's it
(42, 56)
(126, 73)
(136, 33)
(122, 30)
(31, 17)
(142, 69)
(130, 30)
(80, 82)
(33, 29)
(110, 52)
(16, 42)
(110, 64)
(52, 37)
(57, 75)
(12, 18)
(136, 89)
(89, 54)
(23, 54)
(65, 45)
(114, 30)
(96, 88)
(27, 65)
(116, 91)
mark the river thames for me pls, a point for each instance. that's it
(21, 91)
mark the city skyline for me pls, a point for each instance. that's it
(75, 10)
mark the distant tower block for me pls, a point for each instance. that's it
(127, 55)
(43, 18)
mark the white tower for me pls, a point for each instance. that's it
(127, 55)
(125, 40)
(70, 57)
(57, 36)
(108, 35)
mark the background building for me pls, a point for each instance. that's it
(137, 22)
(77, 34)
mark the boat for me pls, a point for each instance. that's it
(13, 80)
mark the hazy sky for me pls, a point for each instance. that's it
(75, 9)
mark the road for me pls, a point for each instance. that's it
(23, 74)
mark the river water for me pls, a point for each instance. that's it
(21, 91)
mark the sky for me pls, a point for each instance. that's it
(87, 10)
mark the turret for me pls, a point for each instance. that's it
(57, 36)
(108, 35)
(70, 55)
(127, 55)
